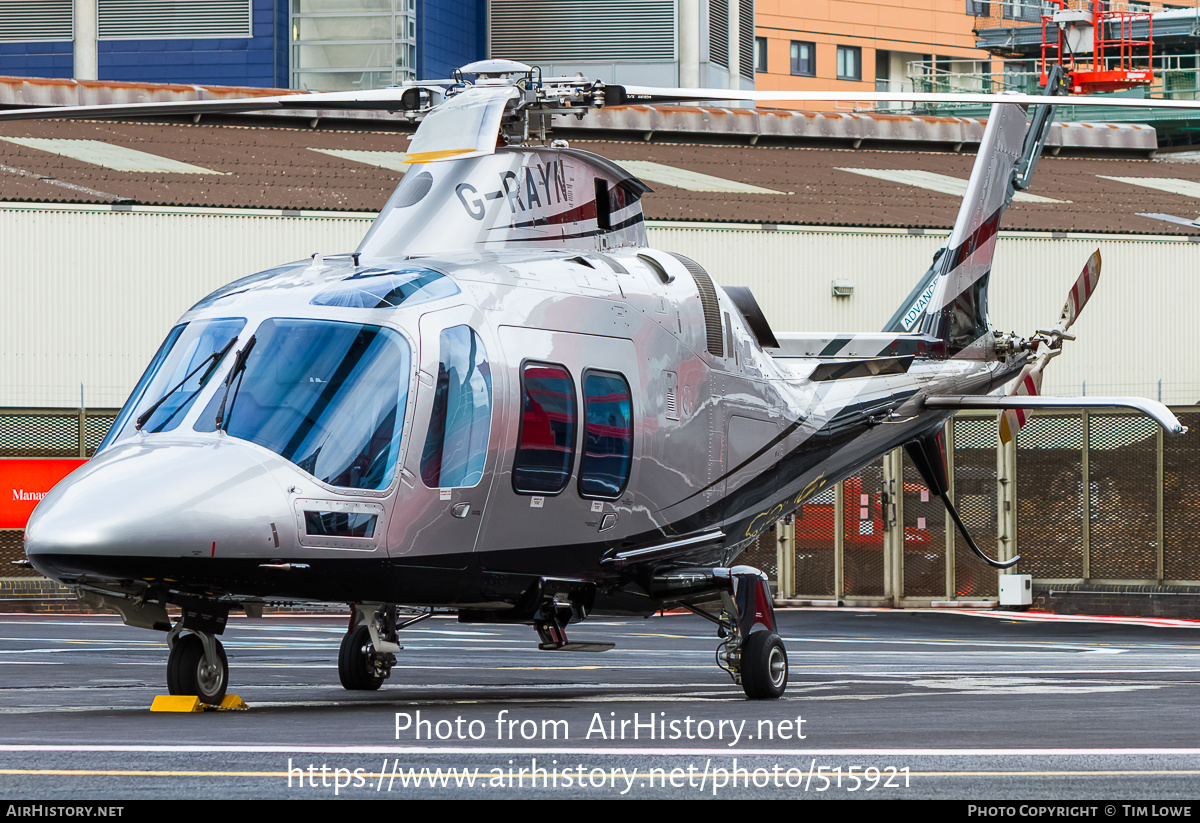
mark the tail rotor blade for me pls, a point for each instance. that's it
(1029, 382)
(1081, 292)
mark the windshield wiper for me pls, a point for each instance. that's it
(215, 358)
(239, 367)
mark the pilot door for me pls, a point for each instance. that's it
(450, 462)
(566, 477)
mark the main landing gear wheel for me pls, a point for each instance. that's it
(764, 666)
(356, 661)
(189, 673)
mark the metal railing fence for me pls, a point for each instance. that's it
(1080, 496)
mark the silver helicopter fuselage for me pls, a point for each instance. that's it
(506, 403)
(499, 384)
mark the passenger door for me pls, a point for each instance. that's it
(572, 409)
(449, 463)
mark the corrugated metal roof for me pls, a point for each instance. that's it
(252, 167)
(1187, 188)
(101, 153)
(943, 183)
(685, 179)
(355, 170)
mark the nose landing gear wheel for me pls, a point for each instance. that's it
(764, 666)
(189, 673)
(356, 661)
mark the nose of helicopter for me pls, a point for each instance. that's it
(166, 501)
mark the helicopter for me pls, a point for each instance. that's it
(505, 403)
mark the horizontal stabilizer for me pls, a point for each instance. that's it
(863, 367)
(1161, 414)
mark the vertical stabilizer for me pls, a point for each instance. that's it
(957, 307)
(950, 301)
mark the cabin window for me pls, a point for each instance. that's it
(607, 435)
(328, 396)
(387, 289)
(604, 207)
(456, 445)
(546, 445)
(244, 284)
(339, 524)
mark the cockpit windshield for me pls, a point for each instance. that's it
(328, 396)
(180, 370)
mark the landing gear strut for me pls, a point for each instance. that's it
(751, 651)
(198, 666)
(764, 665)
(369, 646)
(360, 667)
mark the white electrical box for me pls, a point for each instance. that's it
(1016, 589)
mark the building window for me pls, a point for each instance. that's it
(883, 69)
(760, 54)
(365, 44)
(849, 63)
(804, 59)
(1030, 11)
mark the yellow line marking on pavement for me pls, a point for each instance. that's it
(673, 636)
(575, 668)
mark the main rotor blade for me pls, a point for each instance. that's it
(651, 94)
(389, 99)
(372, 100)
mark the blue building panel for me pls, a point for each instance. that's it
(260, 60)
(52, 59)
(215, 61)
(450, 33)
(282, 50)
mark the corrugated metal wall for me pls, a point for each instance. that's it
(91, 293)
(1134, 332)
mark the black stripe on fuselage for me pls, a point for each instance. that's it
(974, 240)
(834, 346)
(846, 417)
(624, 224)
